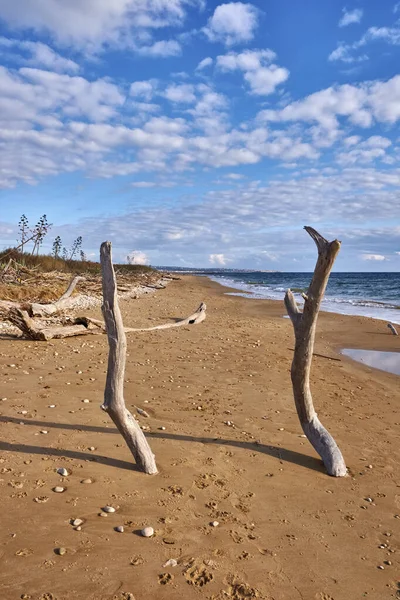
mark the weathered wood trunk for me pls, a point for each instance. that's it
(114, 402)
(304, 324)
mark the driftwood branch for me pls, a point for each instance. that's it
(197, 317)
(114, 402)
(64, 302)
(304, 324)
(392, 329)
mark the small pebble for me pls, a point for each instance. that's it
(370, 467)
(77, 522)
(58, 489)
(171, 563)
(120, 529)
(79, 528)
(147, 532)
(44, 431)
(87, 481)
(388, 562)
(381, 567)
(103, 514)
(62, 551)
(108, 509)
(162, 428)
(52, 405)
(62, 471)
(86, 401)
(91, 448)
(214, 524)
(368, 499)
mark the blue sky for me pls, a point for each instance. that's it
(199, 133)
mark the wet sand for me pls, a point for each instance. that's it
(287, 531)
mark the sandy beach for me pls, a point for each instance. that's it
(229, 449)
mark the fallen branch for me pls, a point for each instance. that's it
(33, 331)
(114, 402)
(304, 324)
(197, 317)
(392, 329)
(64, 302)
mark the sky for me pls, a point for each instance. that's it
(195, 133)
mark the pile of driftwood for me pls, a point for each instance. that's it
(44, 322)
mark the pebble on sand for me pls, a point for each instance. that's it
(170, 563)
(120, 529)
(58, 489)
(108, 509)
(60, 551)
(76, 522)
(62, 471)
(214, 524)
(87, 480)
(147, 532)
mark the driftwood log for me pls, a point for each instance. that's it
(392, 329)
(304, 324)
(114, 403)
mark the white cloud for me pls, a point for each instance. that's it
(218, 259)
(143, 184)
(361, 104)
(373, 257)
(396, 7)
(183, 93)
(347, 52)
(136, 257)
(262, 76)
(143, 89)
(91, 24)
(350, 16)
(206, 62)
(232, 23)
(41, 55)
(161, 49)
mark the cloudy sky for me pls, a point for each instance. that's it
(200, 133)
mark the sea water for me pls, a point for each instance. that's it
(374, 295)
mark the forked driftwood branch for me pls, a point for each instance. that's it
(114, 402)
(304, 324)
(197, 317)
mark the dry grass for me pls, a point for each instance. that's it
(46, 263)
(44, 279)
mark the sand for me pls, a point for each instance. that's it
(232, 451)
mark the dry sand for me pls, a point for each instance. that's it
(287, 531)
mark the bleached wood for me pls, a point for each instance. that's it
(33, 331)
(392, 329)
(304, 325)
(197, 317)
(114, 402)
(63, 303)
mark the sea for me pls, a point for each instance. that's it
(375, 295)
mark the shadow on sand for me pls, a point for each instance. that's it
(282, 454)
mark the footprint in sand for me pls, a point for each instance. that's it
(198, 575)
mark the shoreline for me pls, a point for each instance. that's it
(229, 448)
(356, 307)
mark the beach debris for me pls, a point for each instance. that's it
(120, 529)
(63, 472)
(147, 532)
(114, 402)
(392, 328)
(304, 325)
(142, 412)
(170, 563)
(59, 489)
(108, 509)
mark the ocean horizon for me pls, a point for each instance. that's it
(374, 295)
